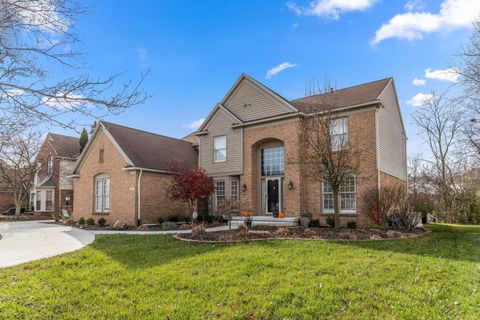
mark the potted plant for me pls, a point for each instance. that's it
(305, 219)
(248, 219)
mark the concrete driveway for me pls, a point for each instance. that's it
(28, 241)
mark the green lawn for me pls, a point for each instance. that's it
(129, 277)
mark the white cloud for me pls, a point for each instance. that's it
(453, 15)
(142, 54)
(277, 69)
(419, 99)
(331, 9)
(44, 15)
(448, 74)
(419, 82)
(194, 125)
(70, 102)
(415, 5)
(295, 25)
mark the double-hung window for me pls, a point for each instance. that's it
(49, 200)
(220, 148)
(50, 165)
(348, 203)
(39, 200)
(102, 194)
(219, 192)
(234, 192)
(339, 133)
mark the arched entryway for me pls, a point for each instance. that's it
(269, 162)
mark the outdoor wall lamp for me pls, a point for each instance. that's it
(244, 187)
(67, 200)
(290, 185)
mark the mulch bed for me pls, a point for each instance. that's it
(185, 226)
(271, 233)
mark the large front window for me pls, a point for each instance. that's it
(347, 196)
(102, 194)
(272, 160)
(220, 146)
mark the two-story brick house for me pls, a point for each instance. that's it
(52, 188)
(247, 138)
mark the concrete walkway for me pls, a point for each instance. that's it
(33, 240)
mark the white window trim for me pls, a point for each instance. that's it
(236, 196)
(214, 149)
(224, 192)
(101, 178)
(331, 211)
(345, 126)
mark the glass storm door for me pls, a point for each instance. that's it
(273, 203)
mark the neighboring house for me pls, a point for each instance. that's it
(247, 140)
(123, 174)
(6, 198)
(52, 189)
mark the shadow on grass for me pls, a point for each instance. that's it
(453, 242)
(145, 251)
(460, 243)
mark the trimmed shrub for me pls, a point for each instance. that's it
(81, 221)
(90, 222)
(315, 223)
(352, 225)
(101, 222)
(330, 220)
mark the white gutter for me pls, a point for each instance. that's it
(139, 196)
(146, 169)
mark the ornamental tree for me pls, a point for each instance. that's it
(190, 186)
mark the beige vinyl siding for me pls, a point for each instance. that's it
(391, 137)
(249, 102)
(219, 125)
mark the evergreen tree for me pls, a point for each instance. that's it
(83, 139)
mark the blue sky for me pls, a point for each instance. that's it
(195, 50)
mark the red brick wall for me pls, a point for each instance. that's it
(6, 201)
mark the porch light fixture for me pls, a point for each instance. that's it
(67, 200)
(290, 185)
(244, 187)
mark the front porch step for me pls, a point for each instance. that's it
(268, 221)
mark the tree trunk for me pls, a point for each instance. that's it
(18, 209)
(336, 208)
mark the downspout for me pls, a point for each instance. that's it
(139, 180)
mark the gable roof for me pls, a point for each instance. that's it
(342, 98)
(65, 146)
(152, 151)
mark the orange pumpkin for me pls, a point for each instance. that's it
(281, 215)
(245, 214)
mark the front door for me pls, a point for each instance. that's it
(273, 196)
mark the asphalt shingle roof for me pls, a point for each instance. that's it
(153, 151)
(360, 94)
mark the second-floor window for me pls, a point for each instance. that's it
(50, 165)
(339, 133)
(220, 148)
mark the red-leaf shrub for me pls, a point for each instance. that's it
(191, 186)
